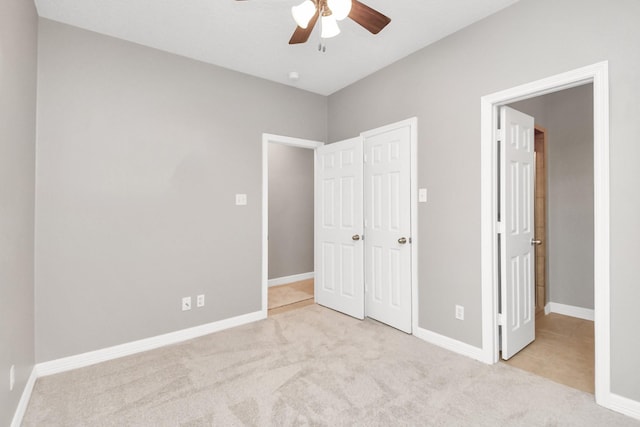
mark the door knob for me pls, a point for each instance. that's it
(402, 240)
(536, 242)
(355, 237)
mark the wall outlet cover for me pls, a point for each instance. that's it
(200, 301)
(459, 312)
(186, 303)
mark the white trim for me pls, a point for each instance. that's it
(412, 123)
(598, 75)
(117, 351)
(290, 279)
(624, 405)
(293, 142)
(449, 343)
(569, 310)
(24, 399)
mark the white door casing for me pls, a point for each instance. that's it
(267, 139)
(387, 226)
(598, 75)
(517, 266)
(339, 282)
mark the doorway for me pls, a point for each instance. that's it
(563, 349)
(290, 290)
(291, 245)
(596, 74)
(407, 240)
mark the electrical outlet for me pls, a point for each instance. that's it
(241, 199)
(200, 301)
(12, 377)
(459, 312)
(186, 303)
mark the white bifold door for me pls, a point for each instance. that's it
(363, 226)
(517, 265)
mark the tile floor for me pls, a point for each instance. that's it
(562, 352)
(291, 296)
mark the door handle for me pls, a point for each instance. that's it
(355, 237)
(402, 240)
(536, 242)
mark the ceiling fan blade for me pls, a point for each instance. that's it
(370, 19)
(301, 35)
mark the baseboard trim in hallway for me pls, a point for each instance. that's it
(569, 310)
(290, 279)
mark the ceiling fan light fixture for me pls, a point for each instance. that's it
(329, 27)
(303, 13)
(340, 8)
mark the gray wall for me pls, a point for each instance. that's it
(290, 210)
(442, 85)
(568, 118)
(140, 154)
(18, 55)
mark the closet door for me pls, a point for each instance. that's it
(339, 282)
(387, 225)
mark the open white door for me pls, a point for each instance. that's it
(339, 282)
(517, 265)
(387, 190)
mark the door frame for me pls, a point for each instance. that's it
(598, 75)
(310, 144)
(267, 139)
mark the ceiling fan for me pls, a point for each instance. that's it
(307, 13)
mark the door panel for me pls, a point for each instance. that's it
(387, 204)
(517, 251)
(339, 281)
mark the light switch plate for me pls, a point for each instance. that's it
(422, 195)
(241, 199)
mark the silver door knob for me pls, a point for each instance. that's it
(402, 240)
(536, 242)
(355, 237)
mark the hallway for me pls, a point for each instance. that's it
(563, 351)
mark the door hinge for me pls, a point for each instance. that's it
(499, 134)
(500, 227)
(500, 319)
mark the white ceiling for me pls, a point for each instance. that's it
(252, 36)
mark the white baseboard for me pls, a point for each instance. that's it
(449, 344)
(110, 353)
(24, 399)
(290, 279)
(569, 310)
(624, 405)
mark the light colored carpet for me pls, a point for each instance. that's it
(310, 366)
(290, 293)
